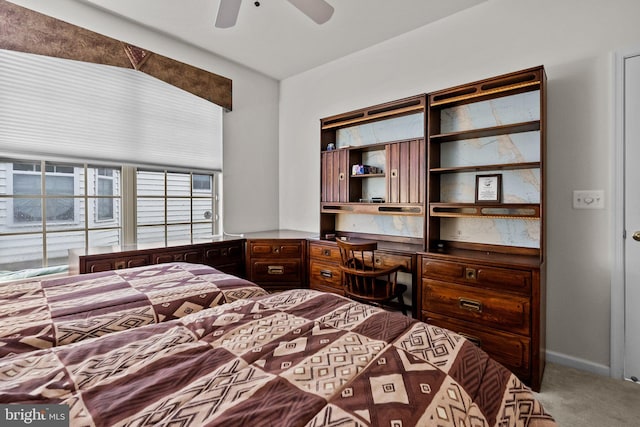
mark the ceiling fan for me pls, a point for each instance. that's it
(318, 10)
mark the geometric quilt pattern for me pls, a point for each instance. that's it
(302, 358)
(48, 313)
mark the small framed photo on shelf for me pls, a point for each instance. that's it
(488, 188)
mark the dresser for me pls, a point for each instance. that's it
(493, 301)
(277, 259)
(226, 255)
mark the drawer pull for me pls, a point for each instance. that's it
(474, 340)
(326, 252)
(119, 265)
(469, 304)
(275, 269)
(326, 273)
(470, 273)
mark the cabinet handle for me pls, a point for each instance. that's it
(275, 269)
(470, 273)
(119, 265)
(326, 252)
(474, 340)
(341, 176)
(326, 273)
(469, 304)
(394, 173)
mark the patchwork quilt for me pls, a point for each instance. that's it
(296, 358)
(47, 313)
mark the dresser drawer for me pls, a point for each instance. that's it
(324, 252)
(325, 274)
(276, 250)
(96, 265)
(185, 255)
(513, 280)
(513, 351)
(223, 254)
(387, 260)
(506, 312)
(277, 270)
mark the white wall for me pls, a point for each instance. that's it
(250, 130)
(574, 40)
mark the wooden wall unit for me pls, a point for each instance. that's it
(482, 270)
(397, 184)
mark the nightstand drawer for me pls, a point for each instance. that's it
(265, 249)
(277, 270)
(488, 277)
(510, 313)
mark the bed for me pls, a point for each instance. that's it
(43, 313)
(295, 358)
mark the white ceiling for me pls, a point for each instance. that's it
(275, 38)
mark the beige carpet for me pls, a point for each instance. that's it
(578, 398)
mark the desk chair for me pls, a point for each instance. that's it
(363, 281)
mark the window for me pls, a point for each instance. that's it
(172, 206)
(59, 182)
(104, 188)
(48, 207)
(82, 207)
(79, 207)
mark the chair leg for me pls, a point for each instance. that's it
(403, 308)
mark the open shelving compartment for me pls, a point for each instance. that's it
(491, 127)
(373, 172)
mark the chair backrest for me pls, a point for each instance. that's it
(360, 277)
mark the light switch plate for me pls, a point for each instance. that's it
(588, 199)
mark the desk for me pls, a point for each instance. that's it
(325, 274)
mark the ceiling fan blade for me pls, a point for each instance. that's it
(228, 13)
(318, 10)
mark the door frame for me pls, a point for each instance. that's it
(616, 368)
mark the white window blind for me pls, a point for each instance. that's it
(71, 109)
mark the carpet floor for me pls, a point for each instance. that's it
(578, 398)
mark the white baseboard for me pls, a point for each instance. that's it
(577, 363)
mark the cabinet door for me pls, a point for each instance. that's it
(334, 176)
(406, 172)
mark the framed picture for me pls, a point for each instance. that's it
(488, 188)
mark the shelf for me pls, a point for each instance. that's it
(369, 175)
(373, 208)
(527, 80)
(485, 132)
(499, 166)
(392, 109)
(494, 210)
(487, 254)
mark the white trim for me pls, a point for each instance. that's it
(617, 217)
(577, 363)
